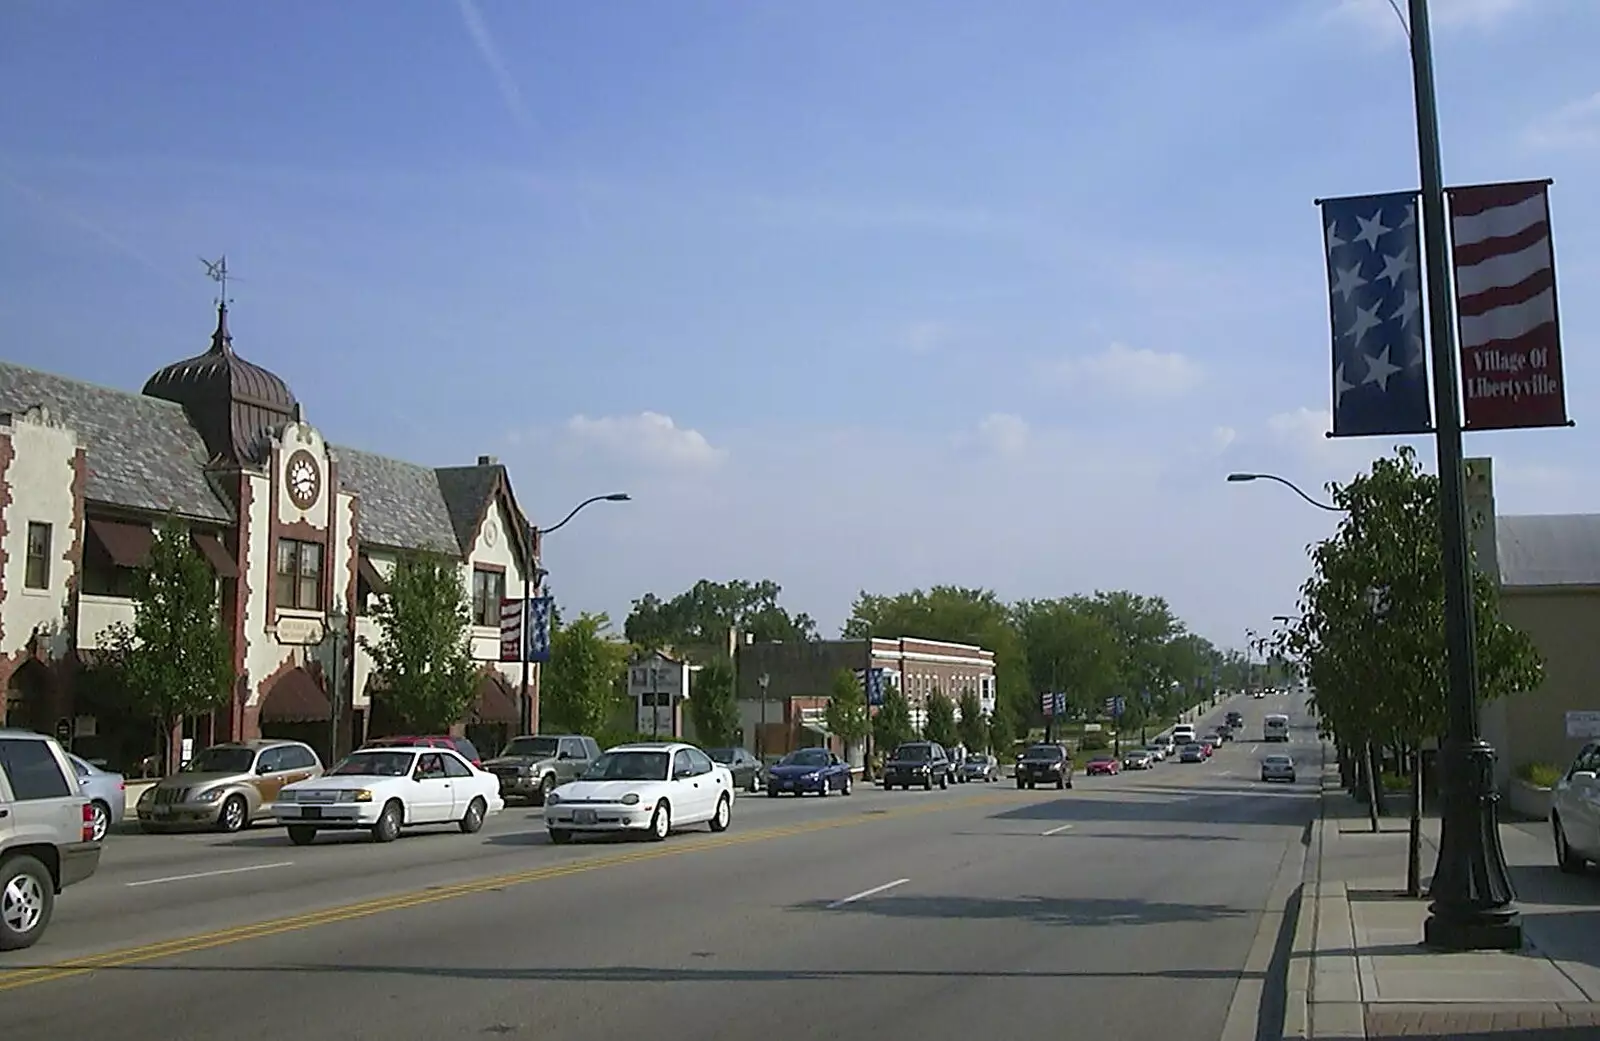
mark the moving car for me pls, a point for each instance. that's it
(1236, 719)
(530, 767)
(1044, 764)
(1275, 727)
(1192, 753)
(1102, 764)
(981, 767)
(1162, 748)
(809, 770)
(107, 793)
(1575, 811)
(382, 790)
(47, 838)
(1277, 767)
(1139, 759)
(749, 773)
(922, 763)
(651, 787)
(228, 786)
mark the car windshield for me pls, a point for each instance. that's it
(374, 764)
(1102, 759)
(978, 759)
(533, 747)
(912, 753)
(1045, 752)
(720, 755)
(1193, 748)
(1277, 760)
(629, 766)
(222, 760)
(805, 757)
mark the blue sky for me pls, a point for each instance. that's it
(846, 295)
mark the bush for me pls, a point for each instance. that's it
(1540, 775)
(1094, 741)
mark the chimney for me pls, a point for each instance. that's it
(488, 460)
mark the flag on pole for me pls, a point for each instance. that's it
(539, 628)
(1380, 360)
(1505, 270)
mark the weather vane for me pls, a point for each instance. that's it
(217, 271)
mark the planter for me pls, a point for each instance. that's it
(1529, 801)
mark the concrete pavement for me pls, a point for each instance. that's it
(1121, 907)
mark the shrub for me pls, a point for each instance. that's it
(1540, 775)
(1094, 741)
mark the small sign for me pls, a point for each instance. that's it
(1583, 724)
(299, 632)
(64, 730)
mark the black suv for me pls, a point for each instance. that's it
(1236, 720)
(1045, 764)
(921, 763)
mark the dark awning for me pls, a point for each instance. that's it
(128, 545)
(495, 703)
(369, 574)
(216, 555)
(295, 698)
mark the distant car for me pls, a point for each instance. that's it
(1162, 748)
(749, 773)
(1192, 753)
(1277, 767)
(381, 790)
(804, 770)
(1102, 764)
(651, 787)
(1236, 720)
(920, 763)
(1140, 759)
(1044, 764)
(1210, 745)
(1224, 734)
(531, 766)
(107, 792)
(981, 767)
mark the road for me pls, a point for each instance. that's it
(1135, 905)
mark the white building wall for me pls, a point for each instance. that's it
(495, 545)
(40, 477)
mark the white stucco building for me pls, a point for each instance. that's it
(298, 531)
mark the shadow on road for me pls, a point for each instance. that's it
(1087, 911)
(1174, 807)
(1079, 836)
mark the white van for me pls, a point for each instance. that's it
(1183, 734)
(1276, 727)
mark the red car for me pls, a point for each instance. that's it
(460, 744)
(1103, 764)
(1210, 746)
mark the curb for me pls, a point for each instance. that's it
(1297, 1024)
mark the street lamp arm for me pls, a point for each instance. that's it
(1236, 478)
(614, 497)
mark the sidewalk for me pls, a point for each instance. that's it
(1357, 968)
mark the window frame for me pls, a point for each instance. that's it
(39, 559)
(486, 609)
(291, 584)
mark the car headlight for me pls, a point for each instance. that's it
(813, 775)
(552, 798)
(359, 795)
(631, 799)
(211, 796)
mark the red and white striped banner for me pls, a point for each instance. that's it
(1505, 277)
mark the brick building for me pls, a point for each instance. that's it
(297, 531)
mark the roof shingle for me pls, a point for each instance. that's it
(1549, 550)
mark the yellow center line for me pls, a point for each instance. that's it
(18, 978)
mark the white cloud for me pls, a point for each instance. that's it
(504, 82)
(1222, 438)
(1131, 371)
(649, 437)
(1004, 434)
(1574, 125)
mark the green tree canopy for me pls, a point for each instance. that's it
(1069, 647)
(712, 705)
(422, 659)
(891, 725)
(847, 708)
(941, 724)
(698, 619)
(972, 727)
(578, 687)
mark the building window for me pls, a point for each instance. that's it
(299, 575)
(102, 578)
(488, 589)
(38, 573)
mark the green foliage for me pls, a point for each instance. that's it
(941, 723)
(972, 729)
(1540, 775)
(422, 659)
(578, 687)
(174, 660)
(712, 705)
(700, 617)
(1371, 637)
(1070, 648)
(847, 708)
(1001, 733)
(1094, 741)
(891, 725)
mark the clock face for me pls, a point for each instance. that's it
(490, 533)
(305, 480)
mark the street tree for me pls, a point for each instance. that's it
(972, 727)
(941, 723)
(891, 726)
(1071, 648)
(712, 704)
(697, 621)
(1144, 628)
(578, 687)
(1001, 731)
(174, 659)
(847, 709)
(422, 659)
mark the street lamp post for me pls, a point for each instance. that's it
(1242, 477)
(337, 630)
(532, 579)
(763, 681)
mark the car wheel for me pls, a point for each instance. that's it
(848, 783)
(661, 822)
(1061, 783)
(472, 820)
(825, 789)
(547, 784)
(724, 815)
(1566, 860)
(927, 785)
(100, 821)
(772, 793)
(1068, 783)
(27, 899)
(755, 783)
(944, 782)
(234, 816)
(560, 836)
(1021, 784)
(302, 834)
(388, 827)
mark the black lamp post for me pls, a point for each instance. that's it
(1239, 478)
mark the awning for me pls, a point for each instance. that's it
(295, 698)
(494, 703)
(369, 574)
(128, 545)
(216, 555)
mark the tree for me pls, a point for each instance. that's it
(1144, 628)
(699, 618)
(422, 659)
(892, 727)
(972, 728)
(1370, 638)
(847, 709)
(578, 687)
(1001, 733)
(712, 704)
(1071, 648)
(174, 660)
(941, 724)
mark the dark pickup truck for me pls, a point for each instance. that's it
(530, 767)
(1045, 764)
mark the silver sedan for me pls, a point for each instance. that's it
(106, 792)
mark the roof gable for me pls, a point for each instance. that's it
(1549, 549)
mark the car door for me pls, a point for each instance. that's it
(688, 798)
(711, 787)
(459, 776)
(44, 804)
(431, 797)
(571, 759)
(835, 771)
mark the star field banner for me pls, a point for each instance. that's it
(1380, 357)
(539, 628)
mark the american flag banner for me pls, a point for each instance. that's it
(1505, 274)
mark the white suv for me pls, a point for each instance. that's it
(46, 834)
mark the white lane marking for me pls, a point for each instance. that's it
(208, 874)
(1057, 831)
(874, 891)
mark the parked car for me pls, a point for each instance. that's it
(809, 770)
(382, 790)
(107, 793)
(532, 766)
(652, 787)
(921, 763)
(47, 839)
(1102, 764)
(1139, 759)
(1045, 764)
(981, 767)
(459, 745)
(1277, 767)
(1575, 811)
(749, 773)
(228, 786)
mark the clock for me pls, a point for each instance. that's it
(305, 479)
(490, 533)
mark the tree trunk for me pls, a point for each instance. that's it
(1414, 839)
(1374, 786)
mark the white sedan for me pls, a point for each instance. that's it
(382, 790)
(651, 787)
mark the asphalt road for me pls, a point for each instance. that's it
(1135, 905)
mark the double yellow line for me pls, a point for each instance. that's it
(435, 894)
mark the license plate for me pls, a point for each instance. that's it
(311, 812)
(583, 816)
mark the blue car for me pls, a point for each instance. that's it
(809, 770)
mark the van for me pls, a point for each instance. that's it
(1276, 728)
(1183, 734)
